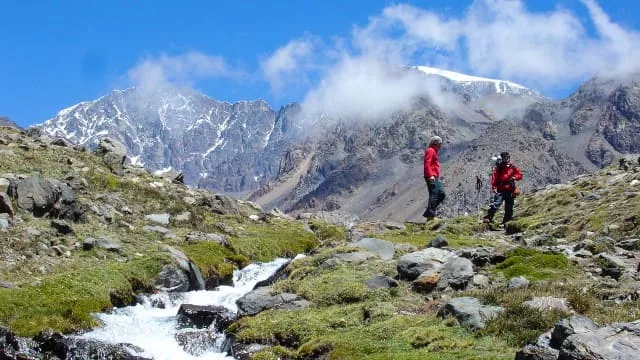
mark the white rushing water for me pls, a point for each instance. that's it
(154, 329)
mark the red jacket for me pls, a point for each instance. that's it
(502, 175)
(431, 162)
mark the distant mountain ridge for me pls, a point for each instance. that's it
(215, 144)
(5, 121)
(373, 170)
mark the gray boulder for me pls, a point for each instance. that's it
(197, 236)
(564, 328)
(439, 242)
(5, 205)
(172, 278)
(203, 316)
(381, 282)
(541, 350)
(455, 273)
(469, 312)
(617, 341)
(113, 153)
(518, 282)
(162, 219)
(101, 243)
(384, 249)
(46, 197)
(411, 265)
(261, 299)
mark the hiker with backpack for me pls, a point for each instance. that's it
(503, 185)
(432, 177)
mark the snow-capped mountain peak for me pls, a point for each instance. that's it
(475, 86)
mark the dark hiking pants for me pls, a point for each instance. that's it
(498, 198)
(436, 196)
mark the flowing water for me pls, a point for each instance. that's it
(154, 329)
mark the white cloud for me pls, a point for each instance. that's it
(492, 38)
(184, 69)
(289, 62)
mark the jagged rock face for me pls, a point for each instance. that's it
(620, 121)
(5, 121)
(354, 155)
(595, 124)
(218, 145)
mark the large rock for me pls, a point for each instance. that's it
(469, 312)
(455, 273)
(46, 197)
(172, 279)
(113, 153)
(541, 350)
(411, 265)
(564, 328)
(617, 341)
(221, 204)
(384, 249)
(102, 243)
(203, 316)
(261, 299)
(196, 282)
(5, 204)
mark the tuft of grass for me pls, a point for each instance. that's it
(521, 324)
(343, 333)
(327, 232)
(535, 265)
(65, 301)
(459, 232)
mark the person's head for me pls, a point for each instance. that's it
(505, 157)
(435, 141)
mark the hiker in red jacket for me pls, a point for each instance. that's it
(503, 185)
(432, 177)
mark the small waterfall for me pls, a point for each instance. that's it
(154, 329)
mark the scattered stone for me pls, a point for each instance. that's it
(197, 236)
(189, 200)
(439, 242)
(591, 197)
(469, 312)
(617, 341)
(172, 279)
(546, 303)
(159, 229)
(411, 265)
(348, 258)
(261, 299)
(7, 284)
(456, 273)
(611, 265)
(278, 214)
(481, 281)
(576, 324)
(254, 217)
(384, 249)
(203, 316)
(426, 282)
(629, 244)
(394, 225)
(183, 217)
(541, 350)
(162, 219)
(61, 227)
(102, 243)
(634, 182)
(196, 281)
(113, 153)
(518, 282)
(381, 282)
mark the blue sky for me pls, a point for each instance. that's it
(57, 53)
